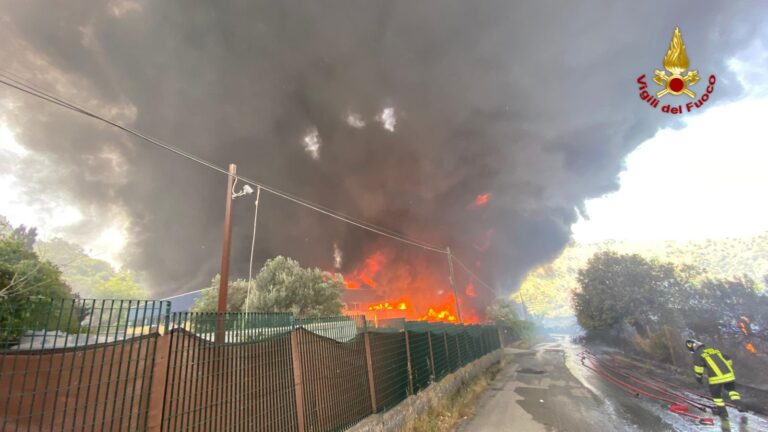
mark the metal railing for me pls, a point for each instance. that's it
(128, 365)
(78, 364)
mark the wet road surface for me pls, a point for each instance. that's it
(546, 389)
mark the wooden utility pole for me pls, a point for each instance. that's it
(522, 302)
(453, 284)
(225, 247)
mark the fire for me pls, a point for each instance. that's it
(482, 199)
(367, 273)
(402, 305)
(389, 284)
(443, 315)
(750, 347)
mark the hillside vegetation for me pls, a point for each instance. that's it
(546, 290)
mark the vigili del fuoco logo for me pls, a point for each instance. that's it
(677, 83)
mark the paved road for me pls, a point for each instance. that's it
(544, 389)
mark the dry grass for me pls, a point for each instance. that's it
(448, 412)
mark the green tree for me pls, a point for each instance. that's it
(283, 286)
(627, 288)
(30, 289)
(209, 300)
(122, 286)
(715, 302)
(503, 313)
(88, 276)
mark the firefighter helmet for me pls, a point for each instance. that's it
(692, 344)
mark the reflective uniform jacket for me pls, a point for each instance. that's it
(719, 367)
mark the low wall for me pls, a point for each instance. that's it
(396, 418)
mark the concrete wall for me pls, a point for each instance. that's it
(396, 418)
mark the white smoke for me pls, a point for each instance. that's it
(355, 120)
(312, 143)
(388, 119)
(337, 256)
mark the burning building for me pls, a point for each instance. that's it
(387, 285)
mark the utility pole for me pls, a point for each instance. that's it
(522, 302)
(225, 247)
(453, 284)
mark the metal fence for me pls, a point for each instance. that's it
(77, 364)
(91, 365)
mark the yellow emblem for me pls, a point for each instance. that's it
(676, 62)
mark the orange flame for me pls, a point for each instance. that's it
(750, 347)
(443, 315)
(367, 273)
(412, 288)
(402, 305)
(743, 329)
(482, 199)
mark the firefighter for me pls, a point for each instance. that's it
(720, 373)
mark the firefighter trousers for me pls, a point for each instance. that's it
(716, 390)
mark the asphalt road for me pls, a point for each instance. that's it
(546, 389)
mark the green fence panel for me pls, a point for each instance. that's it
(77, 364)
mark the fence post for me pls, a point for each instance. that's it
(297, 379)
(431, 357)
(447, 355)
(501, 341)
(369, 361)
(158, 383)
(459, 360)
(408, 356)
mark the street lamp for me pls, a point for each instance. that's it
(247, 190)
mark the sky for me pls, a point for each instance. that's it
(704, 180)
(398, 113)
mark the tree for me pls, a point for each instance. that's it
(283, 286)
(503, 313)
(88, 276)
(30, 290)
(27, 236)
(209, 300)
(616, 288)
(717, 302)
(122, 286)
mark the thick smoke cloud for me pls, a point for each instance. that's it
(534, 103)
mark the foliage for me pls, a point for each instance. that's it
(88, 276)
(283, 286)
(209, 301)
(25, 282)
(503, 313)
(651, 296)
(547, 289)
(625, 288)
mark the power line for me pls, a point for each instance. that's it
(466, 269)
(31, 90)
(19, 83)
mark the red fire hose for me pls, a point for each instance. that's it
(678, 404)
(674, 386)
